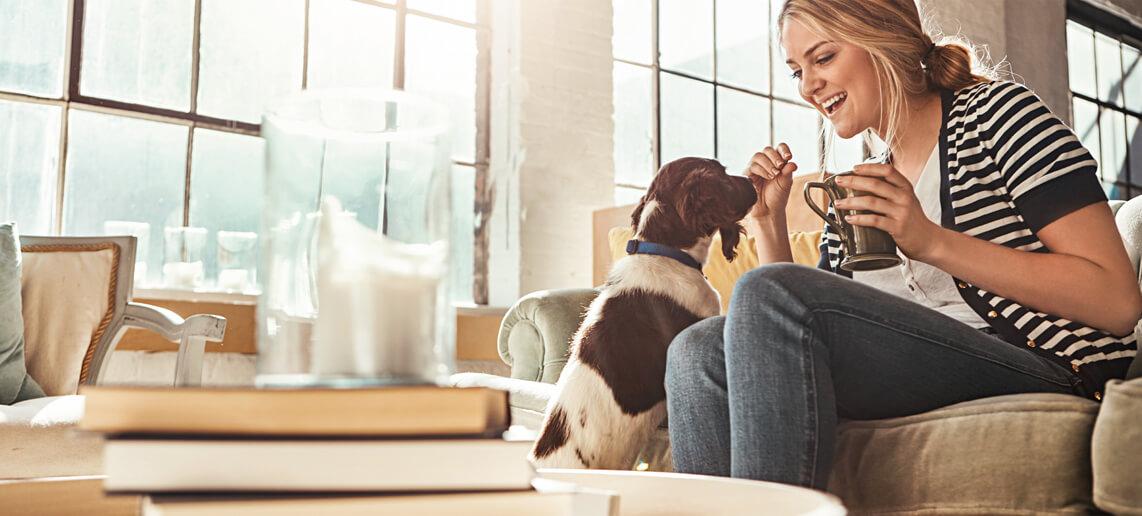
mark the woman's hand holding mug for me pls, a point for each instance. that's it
(894, 206)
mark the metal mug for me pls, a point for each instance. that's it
(866, 248)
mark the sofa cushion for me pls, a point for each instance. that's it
(1116, 449)
(15, 383)
(1025, 453)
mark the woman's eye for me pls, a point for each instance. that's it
(825, 59)
(796, 74)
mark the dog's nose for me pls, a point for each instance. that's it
(746, 196)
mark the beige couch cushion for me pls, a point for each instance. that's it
(1116, 449)
(989, 456)
(67, 305)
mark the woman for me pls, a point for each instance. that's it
(1007, 243)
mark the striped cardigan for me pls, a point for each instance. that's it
(1010, 167)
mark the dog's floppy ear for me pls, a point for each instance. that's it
(731, 235)
(701, 207)
(636, 215)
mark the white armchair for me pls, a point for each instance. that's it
(76, 295)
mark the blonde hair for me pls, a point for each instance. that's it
(905, 58)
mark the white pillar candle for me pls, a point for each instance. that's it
(182, 274)
(378, 303)
(233, 279)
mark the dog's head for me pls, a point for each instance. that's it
(690, 199)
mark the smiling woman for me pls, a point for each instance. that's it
(1007, 245)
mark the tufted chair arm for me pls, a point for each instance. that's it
(536, 332)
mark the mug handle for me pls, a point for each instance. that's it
(817, 209)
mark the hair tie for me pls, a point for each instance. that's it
(931, 48)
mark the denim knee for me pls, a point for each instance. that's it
(766, 276)
(694, 349)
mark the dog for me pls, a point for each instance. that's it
(611, 394)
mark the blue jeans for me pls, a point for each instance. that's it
(757, 393)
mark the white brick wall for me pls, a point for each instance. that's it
(552, 151)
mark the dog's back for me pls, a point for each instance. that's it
(610, 395)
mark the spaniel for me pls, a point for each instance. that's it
(611, 394)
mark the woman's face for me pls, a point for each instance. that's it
(835, 77)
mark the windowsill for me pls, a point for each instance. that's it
(236, 298)
(195, 296)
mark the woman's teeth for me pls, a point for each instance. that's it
(832, 104)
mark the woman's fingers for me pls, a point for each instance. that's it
(882, 170)
(872, 220)
(784, 151)
(870, 203)
(874, 185)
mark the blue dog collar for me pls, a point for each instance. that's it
(639, 247)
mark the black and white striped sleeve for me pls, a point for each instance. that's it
(1047, 171)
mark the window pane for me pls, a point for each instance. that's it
(743, 128)
(743, 44)
(226, 187)
(350, 44)
(1112, 127)
(138, 51)
(687, 117)
(124, 169)
(440, 62)
(634, 125)
(1086, 127)
(784, 85)
(463, 231)
(1109, 69)
(251, 52)
(463, 10)
(843, 154)
(29, 159)
(33, 36)
(1080, 58)
(631, 37)
(686, 36)
(1132, 67)
(1134, 137)
(796, 126)
(625, 195)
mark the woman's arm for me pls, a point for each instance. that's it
(771, 238)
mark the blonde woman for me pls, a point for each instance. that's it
(1010, 259)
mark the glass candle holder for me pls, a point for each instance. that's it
(236, 260)
(386, 318)
(142, 233)
(183, 249)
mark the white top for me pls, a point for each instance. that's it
(918, 281)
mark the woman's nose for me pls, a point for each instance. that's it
(810, 85)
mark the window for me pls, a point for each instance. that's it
(706, 78)
(140, 115)
(1105, 75)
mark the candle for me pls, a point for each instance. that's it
(182, 274)
(233, 279)
(378, 304)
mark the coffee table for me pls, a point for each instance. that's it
(678, 494)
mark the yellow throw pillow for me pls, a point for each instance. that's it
(721, 273)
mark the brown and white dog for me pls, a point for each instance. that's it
(611, 395)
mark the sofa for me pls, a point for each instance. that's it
(987, 456)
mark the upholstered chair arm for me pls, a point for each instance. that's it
(536, 332)
(191, 334)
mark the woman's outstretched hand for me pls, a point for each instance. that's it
(894, 206)
(771, 172)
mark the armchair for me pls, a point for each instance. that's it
(76, 296)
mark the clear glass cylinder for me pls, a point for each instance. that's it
(370, 304)
(183, 252)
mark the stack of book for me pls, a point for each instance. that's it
(399, 450)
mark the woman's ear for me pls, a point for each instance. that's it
(731, 235)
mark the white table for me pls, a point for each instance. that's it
(678, 494)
